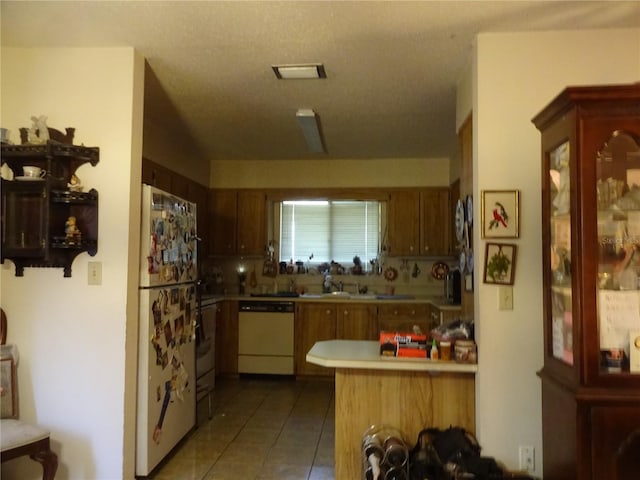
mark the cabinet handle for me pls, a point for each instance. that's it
(328, 312)
(395, 312)
(346, 312)
(413, 312)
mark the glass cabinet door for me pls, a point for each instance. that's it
(618, 296)
(23, 221)
(560, 255)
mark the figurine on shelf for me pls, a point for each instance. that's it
(72, 231)
(39, 132)
(75, 185)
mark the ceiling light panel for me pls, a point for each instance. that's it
(311, 129)
(300, 71)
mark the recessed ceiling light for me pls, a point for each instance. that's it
(299, 71)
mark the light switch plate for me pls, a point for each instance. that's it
(95, 273)
(505, 298)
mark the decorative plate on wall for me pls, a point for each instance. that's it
(439, 270)
(390, 274)
(459, 220)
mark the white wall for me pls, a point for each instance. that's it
(516, 75)
(78, 342)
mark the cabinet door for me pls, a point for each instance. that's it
(403, 223)
(401, 317)
(435, 220)
(223, 205)
(199, 195)
(227, 338)
(357, 322)
(615, 442)
(156, 175)
(252, 234)
(313, 322)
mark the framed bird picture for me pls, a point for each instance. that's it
(499, 212)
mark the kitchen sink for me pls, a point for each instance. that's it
(395, 297)
(276, 295)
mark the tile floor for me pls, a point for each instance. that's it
(260, 429)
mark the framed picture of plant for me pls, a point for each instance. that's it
(500, 263)
(499, 212)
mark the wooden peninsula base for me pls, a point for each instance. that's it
(408, 394)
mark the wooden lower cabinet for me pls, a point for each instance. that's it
(227, 337)
(615, 442)
(407, 400)
(588, 436)
(401, 317)
(357, 322)
(314, 322)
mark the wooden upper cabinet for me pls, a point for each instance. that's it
(435, 231)
(418, 222)
(403, 217)
(238, 222)
(180, 186)
(252, 222)
(223, 206)
(156, 175)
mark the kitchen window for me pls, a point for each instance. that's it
(329, 230)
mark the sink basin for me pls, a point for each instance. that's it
(364, 296)
(276, 295)
(337, 295)
(395, 297)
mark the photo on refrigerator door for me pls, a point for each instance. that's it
(169, 343)
(173, 390)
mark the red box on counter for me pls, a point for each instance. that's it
(403, 344)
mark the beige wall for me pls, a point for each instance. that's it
(78, 343)
(330, 173)
(515, 76)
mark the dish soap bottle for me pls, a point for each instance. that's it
(434, 350)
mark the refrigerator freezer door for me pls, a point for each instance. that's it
(166, 375)
(168, 239)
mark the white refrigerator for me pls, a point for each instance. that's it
(166, 352)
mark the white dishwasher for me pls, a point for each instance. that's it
(265, 337)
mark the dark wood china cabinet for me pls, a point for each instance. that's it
(38, 214)
(591, 271)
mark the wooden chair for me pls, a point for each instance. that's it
(19, 438)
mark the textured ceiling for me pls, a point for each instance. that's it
(392, 67)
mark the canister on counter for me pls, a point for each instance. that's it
(445, 350)
(465, 351)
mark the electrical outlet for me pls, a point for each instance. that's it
(527, 458)
(95, 273)
(505, 298)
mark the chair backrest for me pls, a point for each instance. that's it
(3, 327)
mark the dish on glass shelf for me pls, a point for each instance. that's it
(23, 178)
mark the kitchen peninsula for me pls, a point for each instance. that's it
(407, 393)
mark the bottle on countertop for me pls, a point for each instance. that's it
(434, 350)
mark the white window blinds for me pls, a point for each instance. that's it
(329, 230)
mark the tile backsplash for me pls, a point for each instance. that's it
(414, 277)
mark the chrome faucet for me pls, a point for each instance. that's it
(328, 283)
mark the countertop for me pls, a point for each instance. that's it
(436, 301)
(363, 354)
